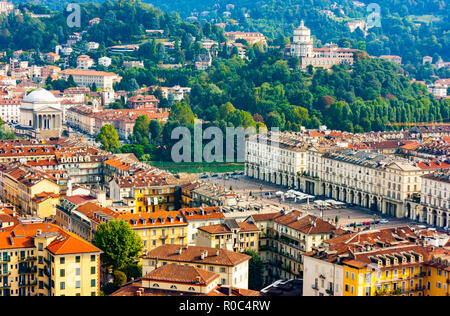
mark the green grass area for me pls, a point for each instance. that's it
(424, 18)
(197, 167)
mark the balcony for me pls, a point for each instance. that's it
(26, 259)
(315, 287)
(5, 285)
(28, 283)
(5, 273)
(329, 292)
(26, 270)
(5, 260)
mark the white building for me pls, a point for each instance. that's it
(322, 278)
(198, 217)
(40, 115)
(10, 110)
(84, 62)
(104, 61)
(85, 78)
(92, 46)
(326, 57)
(435, 199)
(276, 158)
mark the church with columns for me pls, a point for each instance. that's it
(41, 116)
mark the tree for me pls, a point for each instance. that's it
(155, 129)
(255, 271)
(109, 138)
(141, 130)
(120, 244)
(132, 85)
(120, 278)
(5, 131)
(182, 113)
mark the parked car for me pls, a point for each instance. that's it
(214, 175)
(204, 176)
(384, 221)
(366, 223)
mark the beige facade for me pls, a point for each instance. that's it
(231, 267)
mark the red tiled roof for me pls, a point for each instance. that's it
(192, 254)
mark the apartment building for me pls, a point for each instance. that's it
(158, 228)
(250, 37)
(232, 267)
(285, 240)
(375, 263)
(10, 110)
(143, 102)
(147, 192)
(435, 199)
(181, 280)
(379, 182)
(84, 62)
(22, 184)
(41, 259)
(276, 158)
(86, 78)
(198, 217)
(104, 61)
(229, 235)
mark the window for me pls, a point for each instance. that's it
(62, 286)
(191, 288)
(173, 287)
(92, 258)
(77, 284)
(155, 285)
(92, 282)
(62, 273)
(77, 271)
(62, 260)
(92, 270)
(77, 259)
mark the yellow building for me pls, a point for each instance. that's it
(44, 204)
(146, 193)
(22, 183)
(438, 275)
(229, 235)
(158, 228)
(41, 259)
(377, 263)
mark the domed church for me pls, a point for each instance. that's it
(40, 115)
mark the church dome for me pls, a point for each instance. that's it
(40, 96)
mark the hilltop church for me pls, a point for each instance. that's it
(326, 57)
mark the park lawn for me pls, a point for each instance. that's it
(197, 167)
